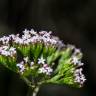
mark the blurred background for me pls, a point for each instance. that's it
(74, 21)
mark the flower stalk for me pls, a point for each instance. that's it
(35, 91)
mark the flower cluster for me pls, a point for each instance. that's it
(7, 51)
(21, 66)
(5, 39)
(45, 68)
(26, 64)
(30, 37)
(79, 77)
(42, 57)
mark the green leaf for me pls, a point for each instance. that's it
(53, 57)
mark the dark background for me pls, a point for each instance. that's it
(74, 21)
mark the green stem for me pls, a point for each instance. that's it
(35, 91)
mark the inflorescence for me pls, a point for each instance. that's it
(43, 57)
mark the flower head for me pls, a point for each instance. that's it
(26, 59)
(75, 60)
(26, 31)
(33, 32)
(41, 60)
(42, 56)
(46, 69)
(79, 77)
(21, 67)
